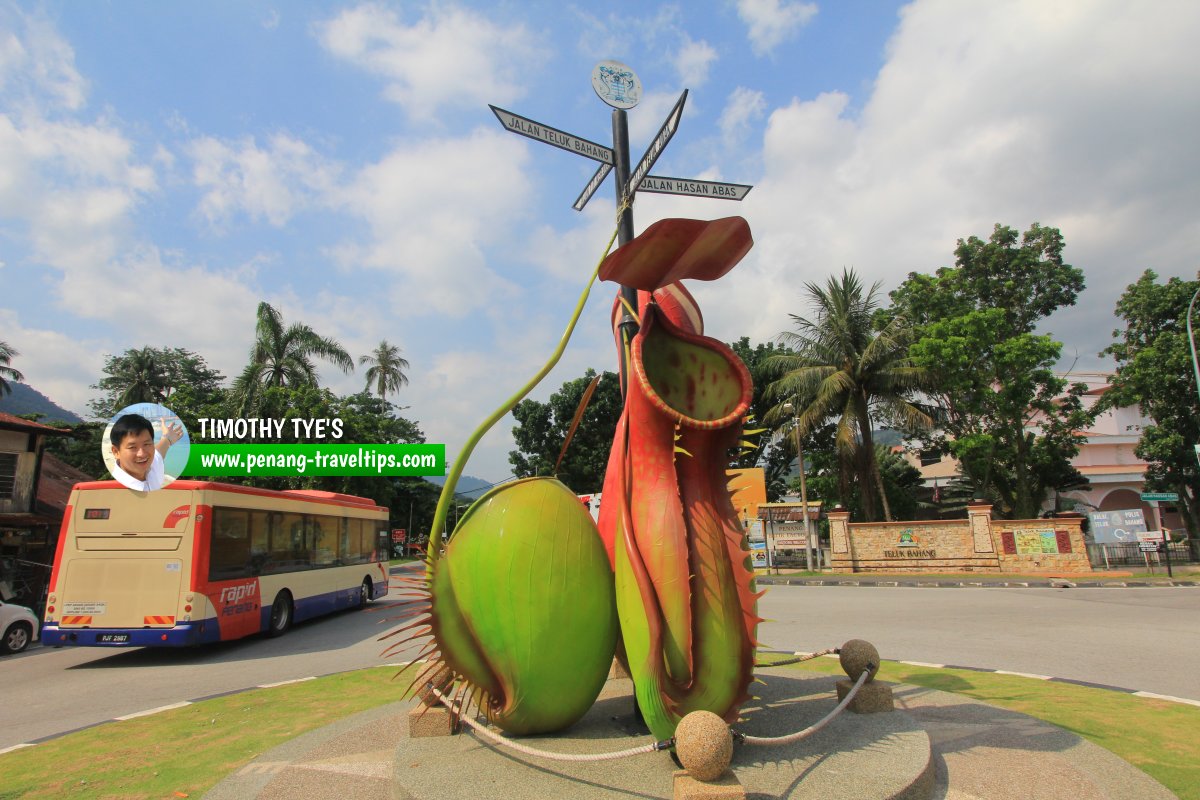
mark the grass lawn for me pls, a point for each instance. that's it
(186, 751)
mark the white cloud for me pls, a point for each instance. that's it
(1066, 115)
(271, 182)
(743, 108)
(36, 64)
(52, 361)
(450, 57)
(693, 61)
(771, 22)
(435, 208)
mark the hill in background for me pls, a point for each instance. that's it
(467, 485)
(27, 400)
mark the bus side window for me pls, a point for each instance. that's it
(323, 540)
(260, 541)
(290, 549)
(229, 556)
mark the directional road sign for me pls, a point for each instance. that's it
(722, 191)
(1165, 497)
(544, 133)
(592, 186)
(657, 146)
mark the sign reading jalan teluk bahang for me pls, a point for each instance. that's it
(620, 88)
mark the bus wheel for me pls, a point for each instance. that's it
(281, 615)
(365, 596)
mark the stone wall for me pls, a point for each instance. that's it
(975, 544)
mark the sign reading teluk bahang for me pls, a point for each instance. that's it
(723, 191)
(544, 133)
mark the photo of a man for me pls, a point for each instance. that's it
(139, 460)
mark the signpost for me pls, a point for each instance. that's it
(1154, 498)
(723, 191)
(661, 139)
(619, 87)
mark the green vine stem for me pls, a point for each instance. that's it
(460, 463)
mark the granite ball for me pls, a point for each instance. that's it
(704, 745)
(855, 655)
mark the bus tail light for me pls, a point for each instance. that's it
(188, 608)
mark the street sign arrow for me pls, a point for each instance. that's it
(722, 191)
(544, 133)
(592, 186)
(657, 146)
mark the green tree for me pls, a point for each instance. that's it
(283, 356)
(542, 428)
(82, 449)
(901, 481)
(7, 353)
(152, 375)
(775, 447)
(845, 368)
(1003, 413)
(387, 369)
(1155, 371)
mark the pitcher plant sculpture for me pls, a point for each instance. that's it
(526, 600)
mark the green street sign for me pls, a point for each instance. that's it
(1165, 497)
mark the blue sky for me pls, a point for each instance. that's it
(166, 166)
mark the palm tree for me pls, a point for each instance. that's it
(387, 369)
(6, 356)
(843, 368)
(144, 378)
(283, 356)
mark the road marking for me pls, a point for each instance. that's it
(285, 683)
(263, 768)
(1154, 696)
(1022, 674)
(150, 711)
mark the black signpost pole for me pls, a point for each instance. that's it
(628, 325)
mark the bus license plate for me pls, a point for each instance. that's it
(113, 638)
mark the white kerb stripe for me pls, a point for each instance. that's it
(1023, 674)
(15, 747)
(1154, 696)
(150, 711)
(923, 664)
(285, 683)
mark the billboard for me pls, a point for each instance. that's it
(1117, 527)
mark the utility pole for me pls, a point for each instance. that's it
(808, 542)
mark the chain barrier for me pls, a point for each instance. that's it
(811, 729)
(831, 651)
(742, 738)
(483, 731)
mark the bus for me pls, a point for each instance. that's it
(199, 561)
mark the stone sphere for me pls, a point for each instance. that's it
(855, 655)
(704, 745)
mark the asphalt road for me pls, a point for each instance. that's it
(1146, 639)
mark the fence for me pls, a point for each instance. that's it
(1130, 554)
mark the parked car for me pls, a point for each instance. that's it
(20, 627)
